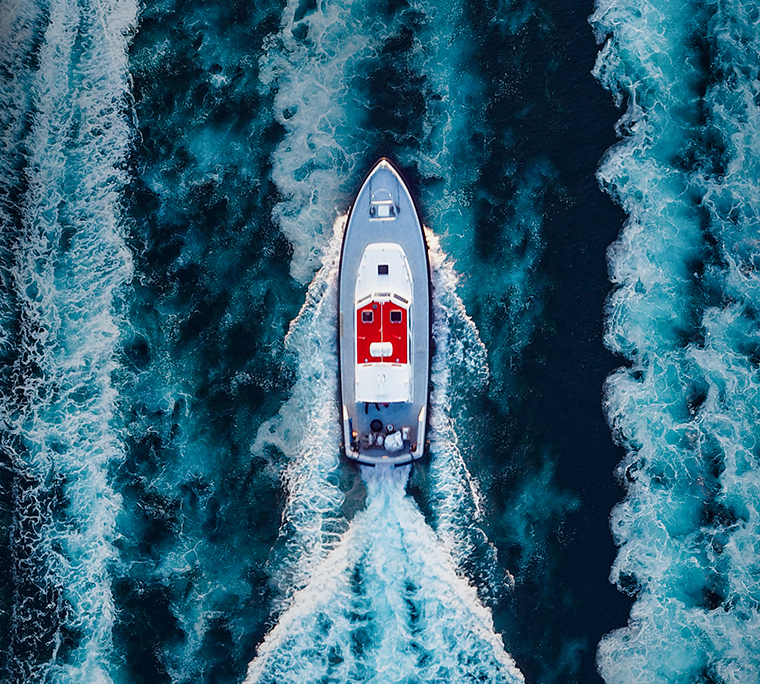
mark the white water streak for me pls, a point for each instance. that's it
(310, 62)
(387, 605)
(687, 410)
(71, 262)
(454, 492)
(307, 430)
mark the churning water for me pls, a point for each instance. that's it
(175, 179)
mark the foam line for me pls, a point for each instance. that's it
(460, 358)
(684, 315)
(385, 605)
(71, 264)
(307, 431)
(311, 61)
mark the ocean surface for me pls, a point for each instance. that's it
(174, 180)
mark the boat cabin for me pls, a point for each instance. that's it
(381, 298)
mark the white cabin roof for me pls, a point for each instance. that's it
(382, 272)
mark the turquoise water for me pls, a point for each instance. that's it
(175, 183)
(685, 405)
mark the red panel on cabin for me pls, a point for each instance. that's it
(388, 323)
(395, 330)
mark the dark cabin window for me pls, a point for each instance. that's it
(366, 317)
(382, 269)
(396, 316)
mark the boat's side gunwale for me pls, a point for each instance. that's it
(346, 304)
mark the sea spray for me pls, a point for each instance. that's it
(684, 314)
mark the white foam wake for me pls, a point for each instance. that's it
(386, 605)
(70, 261)
(459, 365)
(379, 598)
(312, 62)
(307, 431)
(343, 617)
(685, 315)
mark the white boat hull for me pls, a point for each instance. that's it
(384, 326)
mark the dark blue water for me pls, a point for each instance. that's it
(174, 183)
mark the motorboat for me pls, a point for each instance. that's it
(384, 324)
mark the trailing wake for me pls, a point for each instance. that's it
(684, 314)
(370, 592)
(386, 605)
(65, 266)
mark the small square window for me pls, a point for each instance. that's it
(382, 269)
(396, 316)
(366, 317)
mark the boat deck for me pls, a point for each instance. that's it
(384, 215)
